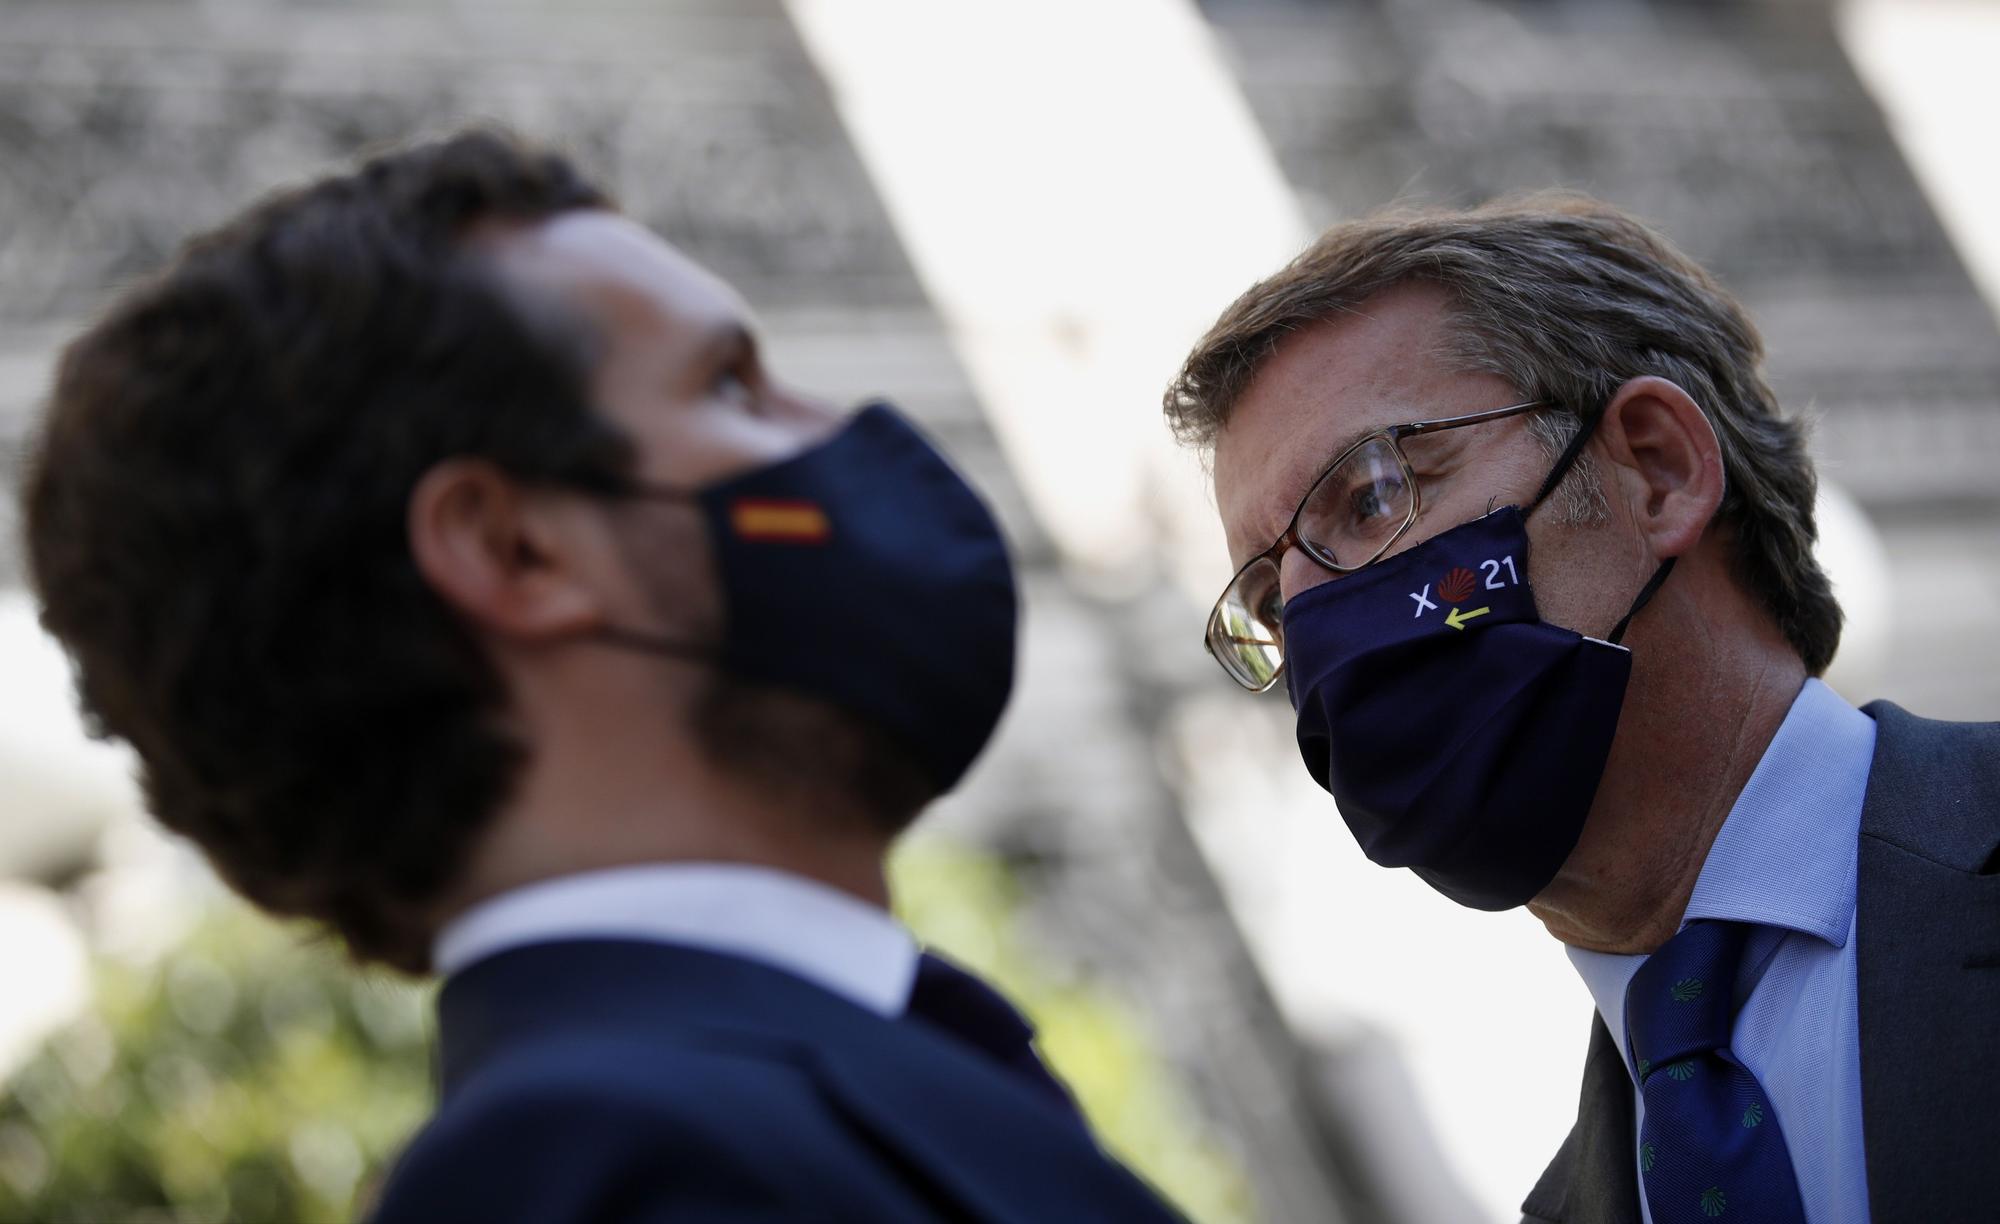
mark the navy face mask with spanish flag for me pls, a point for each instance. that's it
(1460, 734)
(865, 571)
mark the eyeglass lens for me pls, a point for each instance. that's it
(1246, 632)
(1349, 517)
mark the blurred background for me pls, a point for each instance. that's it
(1013, 216)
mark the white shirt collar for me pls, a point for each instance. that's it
(1785, 855)
(786, 921)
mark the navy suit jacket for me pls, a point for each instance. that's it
(629, 1082)
(1927, 920)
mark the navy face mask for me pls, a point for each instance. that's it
(866, 572)
(1460, 734)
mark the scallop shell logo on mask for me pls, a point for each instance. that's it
(1457, 585)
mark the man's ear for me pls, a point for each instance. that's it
(496, 552)
(1669, 461)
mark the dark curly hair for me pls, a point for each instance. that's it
(215, 517)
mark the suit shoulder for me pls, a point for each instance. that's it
(1913, 731)
(616, 1126)
(1934, 787)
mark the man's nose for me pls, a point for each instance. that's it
(816, 415)
(1299, 573)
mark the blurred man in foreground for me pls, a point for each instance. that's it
(464, 580)
(1529, 540)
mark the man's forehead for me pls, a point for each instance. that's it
(1325, 387)
(626, 277)
(1259, 480)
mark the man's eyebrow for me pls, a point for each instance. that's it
(1344, 444)
(1320, 463)
(1325, 458)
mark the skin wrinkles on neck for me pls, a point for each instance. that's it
(1713, 679)
(1638, 905)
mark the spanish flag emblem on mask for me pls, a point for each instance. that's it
(767, 521)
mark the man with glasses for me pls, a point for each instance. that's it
(1528, 539)
(466, 582)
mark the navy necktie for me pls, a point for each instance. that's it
(949, 998)
(1710, 1146)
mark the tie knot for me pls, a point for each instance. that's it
(1683, 999)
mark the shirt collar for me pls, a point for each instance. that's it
(1786, 853)
(819, 933)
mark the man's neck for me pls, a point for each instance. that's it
(659, 810)
(854, 869)
(1673, 777)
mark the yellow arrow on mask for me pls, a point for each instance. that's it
(1456, 619)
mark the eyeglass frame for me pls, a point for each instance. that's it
(1290, 538)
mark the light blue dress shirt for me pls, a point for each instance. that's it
(1785, 860)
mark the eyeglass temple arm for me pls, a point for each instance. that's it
(1474, 418)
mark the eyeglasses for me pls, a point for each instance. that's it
(1358, 507)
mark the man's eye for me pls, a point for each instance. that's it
(1368, 501)
(730, 384)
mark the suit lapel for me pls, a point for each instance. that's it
(1018, 1157)
(1592, 1180)
(1928, 968)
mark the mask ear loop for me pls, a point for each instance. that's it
(1646, 594)
(1561, 469)
(1567, 459)
(632, 639)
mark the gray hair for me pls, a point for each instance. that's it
(1566, 298)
